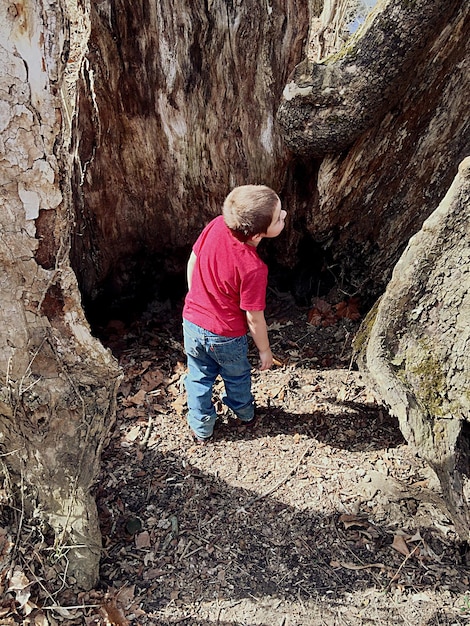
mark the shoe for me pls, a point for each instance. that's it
(246, 424)
(201, 441)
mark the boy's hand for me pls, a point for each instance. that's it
(266, 358)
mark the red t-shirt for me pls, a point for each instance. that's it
(228, 279)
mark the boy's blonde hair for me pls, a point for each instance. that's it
(248, 210)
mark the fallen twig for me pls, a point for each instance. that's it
(408, 556)
(148, 431)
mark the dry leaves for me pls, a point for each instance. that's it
(321, 313)
(117, 604)
(20, 586)
(399, 544)
(113, 614)
(324, 314)
(161, 503)
(348, 309)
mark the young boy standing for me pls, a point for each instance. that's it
(226, 298)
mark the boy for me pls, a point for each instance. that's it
(227, 296)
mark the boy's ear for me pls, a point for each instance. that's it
(256, 238)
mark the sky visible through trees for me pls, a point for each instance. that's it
(358, 14)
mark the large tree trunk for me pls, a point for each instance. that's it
(329, 104)
(387, 111)
(177, 105)
(58, 384)
(415, 345)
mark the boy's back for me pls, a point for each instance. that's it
(228, 279)
(226, 298)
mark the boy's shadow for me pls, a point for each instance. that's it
(358, 428)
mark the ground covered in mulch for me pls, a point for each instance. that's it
(320, 515)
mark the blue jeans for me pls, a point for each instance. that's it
(208, 355)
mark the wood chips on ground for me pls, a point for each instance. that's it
(320, 515)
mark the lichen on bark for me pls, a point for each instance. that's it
(417, 351)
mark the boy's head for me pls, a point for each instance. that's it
(249, 210)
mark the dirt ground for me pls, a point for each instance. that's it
(320, 515)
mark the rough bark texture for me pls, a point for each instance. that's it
(178, 105)
(415, 345)
(327, 105)
(375, 195)
(57, 383)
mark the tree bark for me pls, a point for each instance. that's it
(327, 105)
(414, 347)
(374, 195)
(58, 384)
(177, 106)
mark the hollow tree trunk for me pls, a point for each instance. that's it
(415, 345)
(58, 384)
(177, 106)
(387, 111)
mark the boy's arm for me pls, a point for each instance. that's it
(259, 332)
(190, 268)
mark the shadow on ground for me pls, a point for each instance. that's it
(359, 428)
(202, 550)
(185, 537)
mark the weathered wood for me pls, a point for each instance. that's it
(415, 345)
(58, 384)
(178, 104)
(327, 105)
(372, 197)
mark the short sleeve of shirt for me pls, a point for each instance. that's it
(253, 290)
